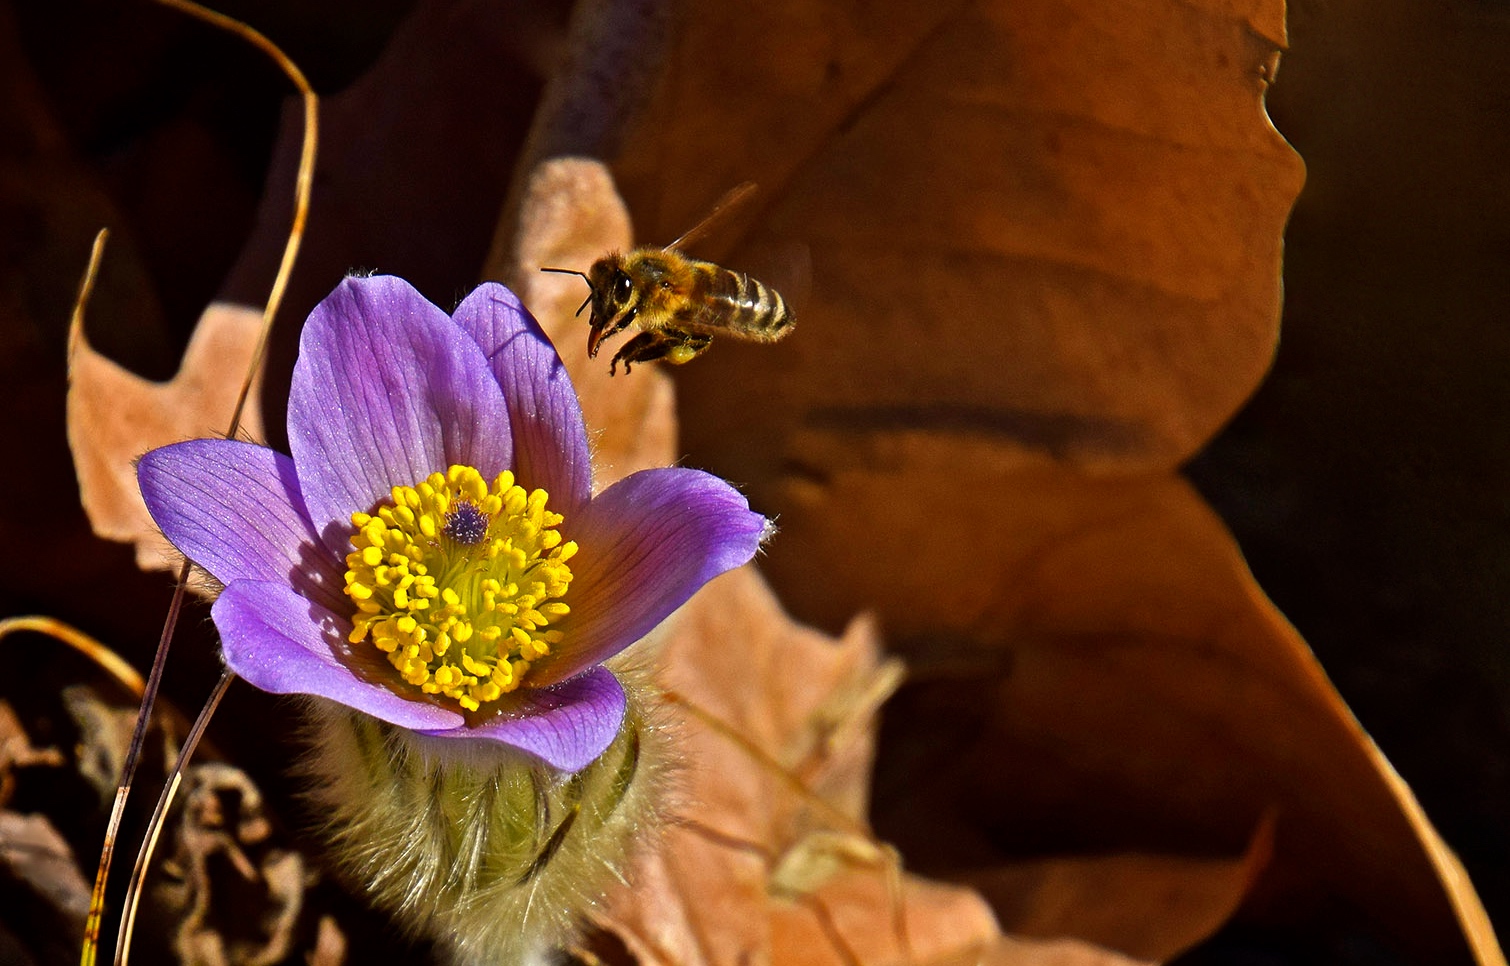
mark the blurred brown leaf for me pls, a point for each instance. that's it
(32, 851)
(1151, 906)
(710, 893)
(1027, 307)
(1052, 226)
(1119, 653)
(115, 416)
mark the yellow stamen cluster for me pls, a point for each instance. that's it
(457, 581)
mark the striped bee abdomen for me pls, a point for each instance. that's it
(736, 303)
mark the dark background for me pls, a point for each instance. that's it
(1368, 481)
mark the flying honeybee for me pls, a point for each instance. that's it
(678, 303)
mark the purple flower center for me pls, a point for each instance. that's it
(466, 524)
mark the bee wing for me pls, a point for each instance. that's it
(783, 264)
(733, 200)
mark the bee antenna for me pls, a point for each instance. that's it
(583, 277)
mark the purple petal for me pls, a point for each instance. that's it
(550, 439)
(646, 544)
(285, 644)
(234, 509)
(567, 726)
(387, 390)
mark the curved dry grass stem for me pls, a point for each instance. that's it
(155, 827)
(302, 189)
(128, 773)
(302, 185)
(117, 667)
(148, 691)
(110, 662)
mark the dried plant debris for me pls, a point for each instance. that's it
(38, 860)
(227, 887)
(236, 894)
(16, 751)
(41, 886)
(104, 729)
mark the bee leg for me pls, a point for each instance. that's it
(688, 348)
(669, 344)
(642, 348)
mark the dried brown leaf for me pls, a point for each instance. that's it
(1119, 677)
(115, 416)
(720, 889)
(1152, 907)
(33, 851)
(1055, 225)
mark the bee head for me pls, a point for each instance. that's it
(611, 293)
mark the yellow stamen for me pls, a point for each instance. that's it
(457, 581)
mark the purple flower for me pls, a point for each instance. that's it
(432, 554)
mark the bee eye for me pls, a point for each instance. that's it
(621, 287)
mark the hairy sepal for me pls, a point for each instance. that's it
(493, 854)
